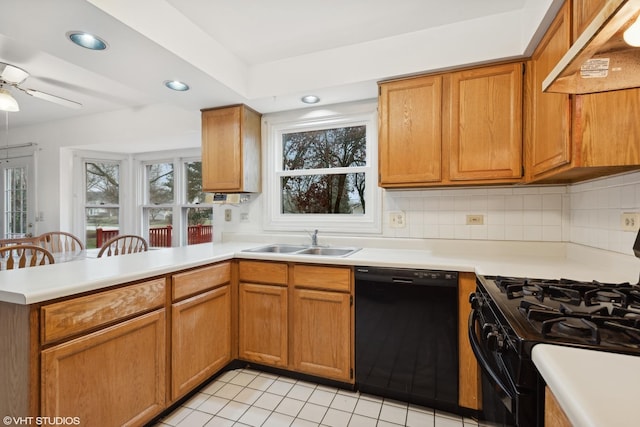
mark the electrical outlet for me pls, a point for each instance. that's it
(630, 221)
(475, 219)
(397, 219)
(227, 215)
(244, 216)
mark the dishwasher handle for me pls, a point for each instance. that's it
(405, 276)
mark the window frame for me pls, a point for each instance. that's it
(180, 204)
(342, 115)
(81, 158)
(26, 162)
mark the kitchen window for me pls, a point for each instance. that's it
(149, 194)
(321, 169)
(15, 179)
(175, 211)
(102, 199)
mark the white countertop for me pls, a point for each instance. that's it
(594, 388)
(524, 259)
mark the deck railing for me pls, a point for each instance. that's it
(160, 237)
(199, 234)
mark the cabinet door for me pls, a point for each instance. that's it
(605, 134)
(583, 13)
(113, 377)
(410, 133)
(549, 136)
(263, 317)
(221, 149)
(485, 123)
(321, 333)
(201, 338)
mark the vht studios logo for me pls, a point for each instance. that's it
(41, 421)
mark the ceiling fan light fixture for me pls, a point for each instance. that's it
(87, 40)
(8, 102)
(176, 85)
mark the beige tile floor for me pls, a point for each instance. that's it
(245, 397)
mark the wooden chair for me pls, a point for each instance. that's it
(60, 241)
(17, 241)
(21, 256)
(123, 244)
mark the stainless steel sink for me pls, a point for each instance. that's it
(319, 250)
(277, 248)
(284, 248)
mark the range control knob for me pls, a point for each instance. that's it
(475, 301)
(488, 328)
(495, 341)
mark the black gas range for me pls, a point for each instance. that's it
(510, 315)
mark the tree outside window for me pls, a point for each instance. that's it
(321, 169)
(330, 151)
(102, 198)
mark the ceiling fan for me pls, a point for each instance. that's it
(13, 76)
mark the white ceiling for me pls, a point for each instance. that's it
(266, 54)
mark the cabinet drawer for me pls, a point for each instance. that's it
(202, 279)
(68, 318)
(319, 277)
(274, 273)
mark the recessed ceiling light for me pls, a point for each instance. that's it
(87, 40)
(176, 85)
(310, 99)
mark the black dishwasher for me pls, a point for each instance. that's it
(407, 335)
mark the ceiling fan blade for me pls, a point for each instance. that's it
(52, 98)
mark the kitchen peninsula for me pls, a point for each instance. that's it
(134, 302)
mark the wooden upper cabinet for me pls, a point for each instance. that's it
(410, 134)
(583, 13)
(548, 141)
(452, 129)
(231, 150)
(576, 137)
(485, 124)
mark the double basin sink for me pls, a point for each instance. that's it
(283, 248)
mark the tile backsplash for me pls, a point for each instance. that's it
(586, 213)
(596, 207)
(508, 213)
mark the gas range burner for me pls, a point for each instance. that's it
(569, 291)
(607, 325)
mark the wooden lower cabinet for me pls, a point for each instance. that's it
(469, 380)
(554, 416)
(263, 324)
(322, 321)
(112, 377)
(200, 338)
(321, 333)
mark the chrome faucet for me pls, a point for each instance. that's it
(314, 238)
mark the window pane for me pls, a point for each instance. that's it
(102, 180)
(160, 183)
(323, 194)
(194, 182)
(103, 220)
(15, 202)
(160, 222)
(328, 148)
(199, 228)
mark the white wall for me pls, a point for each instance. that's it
(157, 127)
(586, 213)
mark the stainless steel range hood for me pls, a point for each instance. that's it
(600, 60)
